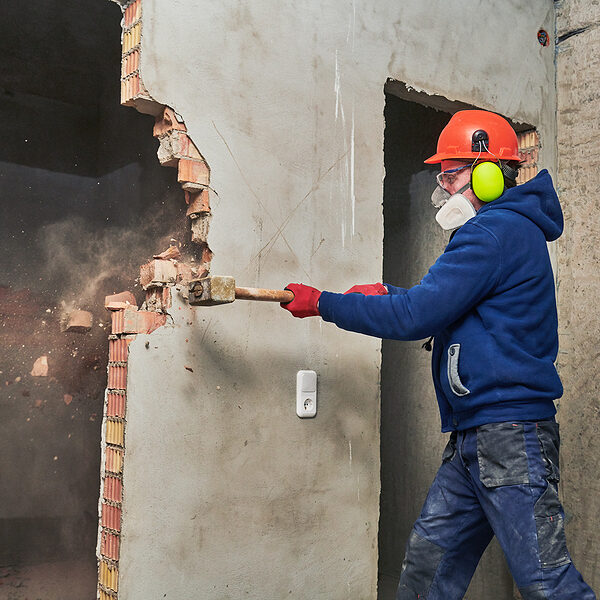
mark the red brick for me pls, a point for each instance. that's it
(78, 321)
(113, 489)
(111, 517)
(109, 545)
(117, 377)
(117, 350)
(193, 171)
(143, 321)
(150, 321)
(166, 122)
(117, 317)
(115, 405)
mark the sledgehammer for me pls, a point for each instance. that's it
(210, 291)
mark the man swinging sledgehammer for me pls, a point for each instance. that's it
(489, 304)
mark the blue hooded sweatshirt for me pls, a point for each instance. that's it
(489, 301)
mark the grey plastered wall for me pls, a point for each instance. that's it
(235, 495)
(578, 83)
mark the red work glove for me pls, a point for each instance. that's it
(370, 289)
(305, 301)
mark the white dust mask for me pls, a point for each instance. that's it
(455, 212)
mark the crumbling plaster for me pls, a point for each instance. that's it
(227, 492)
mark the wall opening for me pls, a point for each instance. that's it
(85, 203)
(411, 443)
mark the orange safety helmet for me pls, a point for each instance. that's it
(476, 134)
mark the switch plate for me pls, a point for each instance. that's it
(306, 394)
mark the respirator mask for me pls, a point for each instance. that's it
(454, 209)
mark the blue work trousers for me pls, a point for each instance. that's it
(497, 479)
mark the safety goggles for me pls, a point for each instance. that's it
(448, 177)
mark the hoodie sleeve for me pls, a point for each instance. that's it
(392, 289)
(466, 272)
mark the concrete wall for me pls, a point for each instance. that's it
(227, 493)
(578, 79)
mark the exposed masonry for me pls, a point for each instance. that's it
(529, 147)
(176, 150)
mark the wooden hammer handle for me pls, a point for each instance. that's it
(246, 293)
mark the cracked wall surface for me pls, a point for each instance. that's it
(226, 493)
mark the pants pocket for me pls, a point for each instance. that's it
(552, 542)
(550, 528)
(501, 455)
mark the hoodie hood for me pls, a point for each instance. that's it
(536, 200)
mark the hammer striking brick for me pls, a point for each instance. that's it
(222, 290)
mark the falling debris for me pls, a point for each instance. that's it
(40, 367)
(77, 321)
(119, 301)
(172, 252)
(68, 399)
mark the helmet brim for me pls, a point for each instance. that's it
(438, 157)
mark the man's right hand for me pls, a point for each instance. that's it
(370, 289)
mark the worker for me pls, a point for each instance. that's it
(488, 303)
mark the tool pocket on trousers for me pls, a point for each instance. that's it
(549, 439)
(551, 541)
(550, 528)
(501, 454)
(450, 449)
(456, 385)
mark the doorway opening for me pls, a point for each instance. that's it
(85, 201)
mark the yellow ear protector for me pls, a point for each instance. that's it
(487, 181)
(487, 178)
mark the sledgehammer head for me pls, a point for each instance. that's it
(210, 291)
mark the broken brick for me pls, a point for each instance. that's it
(143, 321)
(158, 299)
(176, 145)
(40, 367)
(167, 121)
(67, 399)
(198, 201)
(172, 252)
(77, 321)
(193, 174)
(119, 301)
(200, 227)
(157, 272)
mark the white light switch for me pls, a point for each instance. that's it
(306, 394)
